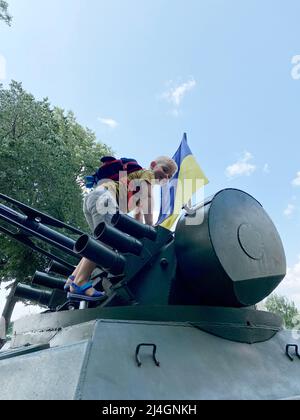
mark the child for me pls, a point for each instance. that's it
(107, 198)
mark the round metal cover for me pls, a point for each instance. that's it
(234, 257)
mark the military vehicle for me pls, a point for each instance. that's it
(179, 321)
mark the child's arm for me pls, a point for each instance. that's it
(138, 214)
(145, 206)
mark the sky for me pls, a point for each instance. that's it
(141, 73)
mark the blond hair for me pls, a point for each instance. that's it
(165, 160)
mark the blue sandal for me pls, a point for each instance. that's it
(79, 293)
(68, 283)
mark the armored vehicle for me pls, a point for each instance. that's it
(179, 321)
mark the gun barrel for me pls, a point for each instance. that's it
(107, 259)
(116, 239)
(33, 227)
(43, 279)
(61, 269)
(134, 228)
(42, 297)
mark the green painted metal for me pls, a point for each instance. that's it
(189, 295)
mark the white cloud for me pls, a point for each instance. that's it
(175, 94)
(296, 69)
(290, 287)
(2, 68)
(296, 181)
(241, 167)
(266, 168)
(109, 122)
(289, 210)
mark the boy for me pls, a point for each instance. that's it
(107, 198)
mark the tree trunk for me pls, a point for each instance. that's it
(9, 308)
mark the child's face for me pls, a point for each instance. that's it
(162, 172)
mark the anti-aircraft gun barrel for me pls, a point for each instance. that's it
(49, 235)
(51, 299)
(30, 223)
(117, 239)
(134, 228)
(33, 223)
(62, 269)
(43, 279)
(107, 259)
(36, 295)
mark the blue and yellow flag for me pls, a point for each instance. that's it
(179, 190)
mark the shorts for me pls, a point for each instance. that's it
(99, 206)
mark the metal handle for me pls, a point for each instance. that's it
(139, 363)
(292, 346)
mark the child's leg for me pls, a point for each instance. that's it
(74, 274)
(72, 277)
(82, 288)
(87, 213)
(100, 206)
(95, 212)
(84, 271)
(89, 219)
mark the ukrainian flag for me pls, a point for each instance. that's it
(180, 189)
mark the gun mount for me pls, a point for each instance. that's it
(190, 293)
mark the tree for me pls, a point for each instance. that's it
(4, 15)
(44, 156)
(285, 308)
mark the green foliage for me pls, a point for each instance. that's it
(4, 15)
(44, 156)
(285, 308)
